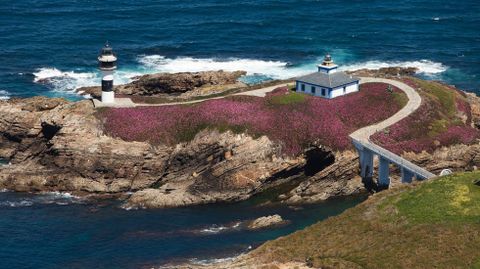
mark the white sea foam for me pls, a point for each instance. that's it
(58, 198)
(65, 81)
(69, 81)
(257, 70)
(211, 261)
(423, 66)
(21, 203)
(4, 95)
(273, 69)
(51, 73)
(44, 198)
(215, 229)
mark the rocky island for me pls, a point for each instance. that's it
(218, 151)
(222, 150)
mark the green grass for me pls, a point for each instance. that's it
(288, 99)
(437, 127)
(447, 199)
(188, 133)
(434, 224)
(400, 98)
(444, 95)
(476, 264)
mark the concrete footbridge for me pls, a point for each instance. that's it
(367, 149)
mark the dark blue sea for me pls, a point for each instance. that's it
(49, 47)
(58, 230)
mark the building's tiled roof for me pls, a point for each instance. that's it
(331, 80)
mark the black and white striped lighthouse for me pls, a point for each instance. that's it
(107, 61)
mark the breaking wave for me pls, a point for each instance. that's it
(66, 81)
(69, 81)
(424, 66)
(4, 95)
(273, 69)
(46, 198)
(212, 261)
(22, 203)
(257, 70)
(215, 229)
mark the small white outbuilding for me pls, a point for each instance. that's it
(328, 82)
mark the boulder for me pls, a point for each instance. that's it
(164, 84)
(265, 222)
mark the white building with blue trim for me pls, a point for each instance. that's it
(328, 82)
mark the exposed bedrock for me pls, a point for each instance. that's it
(162, 84)
(55, 145)
(386, 72)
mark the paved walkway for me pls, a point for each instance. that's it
(414, 101)
(362, 136)
(119, 102)
(127, 102)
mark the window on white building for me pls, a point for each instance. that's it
(313, 89)
(303, 87)
(323, 92)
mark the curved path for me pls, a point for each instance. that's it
(361, 137)
(414, 101)
(127, 102)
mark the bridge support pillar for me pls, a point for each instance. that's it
(383, 172)
(407, 176)
(366, 163)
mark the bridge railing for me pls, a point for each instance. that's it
(394, 158)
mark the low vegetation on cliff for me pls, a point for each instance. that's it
(443, 119)
(292, 119)
(434, 225)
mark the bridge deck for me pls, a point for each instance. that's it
(394, 158)
(361, 137)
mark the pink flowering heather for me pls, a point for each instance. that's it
(433, 124)
(464, 108)
(293, 119)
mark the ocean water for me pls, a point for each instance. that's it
(49, 47)
(58, 230)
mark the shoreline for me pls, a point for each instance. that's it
(158, 227)
(345, 162)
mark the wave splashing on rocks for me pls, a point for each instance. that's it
(46, 198)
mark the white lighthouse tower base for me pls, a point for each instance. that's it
(108, 97)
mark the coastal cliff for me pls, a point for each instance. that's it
(54, 145)
(178, 85)
(218, 151)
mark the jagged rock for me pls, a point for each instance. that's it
(161, 84)
(386, 72)
(457, 158)
(265, 222)
(341, 178)
(63, 148)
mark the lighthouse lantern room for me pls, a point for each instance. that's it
(108, 64)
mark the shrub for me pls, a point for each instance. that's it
(436, 123)
(293, 119)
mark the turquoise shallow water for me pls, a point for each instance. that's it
(50, 47)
